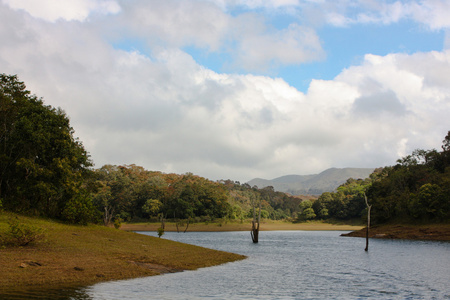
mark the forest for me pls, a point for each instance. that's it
(45, 171)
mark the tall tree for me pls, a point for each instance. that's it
(42, 164)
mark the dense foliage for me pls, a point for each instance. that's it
(132, 193)
(42, 165)
(417, 189)
(344, 204)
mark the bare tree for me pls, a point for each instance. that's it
(368, 222)
(187, 225)
(255, 223)
(107, 216)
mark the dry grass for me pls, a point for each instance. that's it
(84, 255)
(267, 225)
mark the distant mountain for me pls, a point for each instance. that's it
(316, 184)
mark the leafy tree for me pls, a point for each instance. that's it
(152, 207)
(417, 188)
(306, 211)
(79, 209)
(42, 165)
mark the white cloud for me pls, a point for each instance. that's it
(166, 112)
(293, 45)
(245, 37)
(53, 10)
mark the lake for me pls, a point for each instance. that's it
(299, 265)
(292, 265)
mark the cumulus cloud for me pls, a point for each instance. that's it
(432, 14)
(244, 37)
(53, 10)
(293, 45)
(166, 112)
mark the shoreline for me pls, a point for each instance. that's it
(430, 232)
(74, 256)
(237, 226)
(79, 256)
(433, 232)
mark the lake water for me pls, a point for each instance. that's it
(294, 265)
(299, 265)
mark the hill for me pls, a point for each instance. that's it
(315, 184)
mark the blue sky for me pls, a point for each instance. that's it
(232, 89)
(344, 46)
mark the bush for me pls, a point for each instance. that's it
(20, 234)
(79, 210)
(117, 222)
(160, 231)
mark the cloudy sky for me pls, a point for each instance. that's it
(234, 89)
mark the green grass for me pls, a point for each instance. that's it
(82, 255)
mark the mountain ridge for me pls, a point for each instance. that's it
(313, 184)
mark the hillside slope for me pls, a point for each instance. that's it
(315, 184)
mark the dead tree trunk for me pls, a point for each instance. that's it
(107, 216)
(162, 221)
(368, 223)
(187, 225)
(255, 223)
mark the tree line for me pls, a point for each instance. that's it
(415, 190)
(131, 193)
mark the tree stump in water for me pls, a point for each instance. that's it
(368, 222)
(255, 224)
(255, 232)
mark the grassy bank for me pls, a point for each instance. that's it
(84, 255)
(267, 225)
(435, 232)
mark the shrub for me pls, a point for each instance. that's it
(117, 222)
(160, 231)
(79, 210)
(20, 234)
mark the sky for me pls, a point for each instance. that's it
(234, 89)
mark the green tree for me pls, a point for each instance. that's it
(417, 188)
(152, 207)
(42, 165)
(306, 211)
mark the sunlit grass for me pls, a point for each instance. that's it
(82, 255)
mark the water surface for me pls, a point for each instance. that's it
(298, 265)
